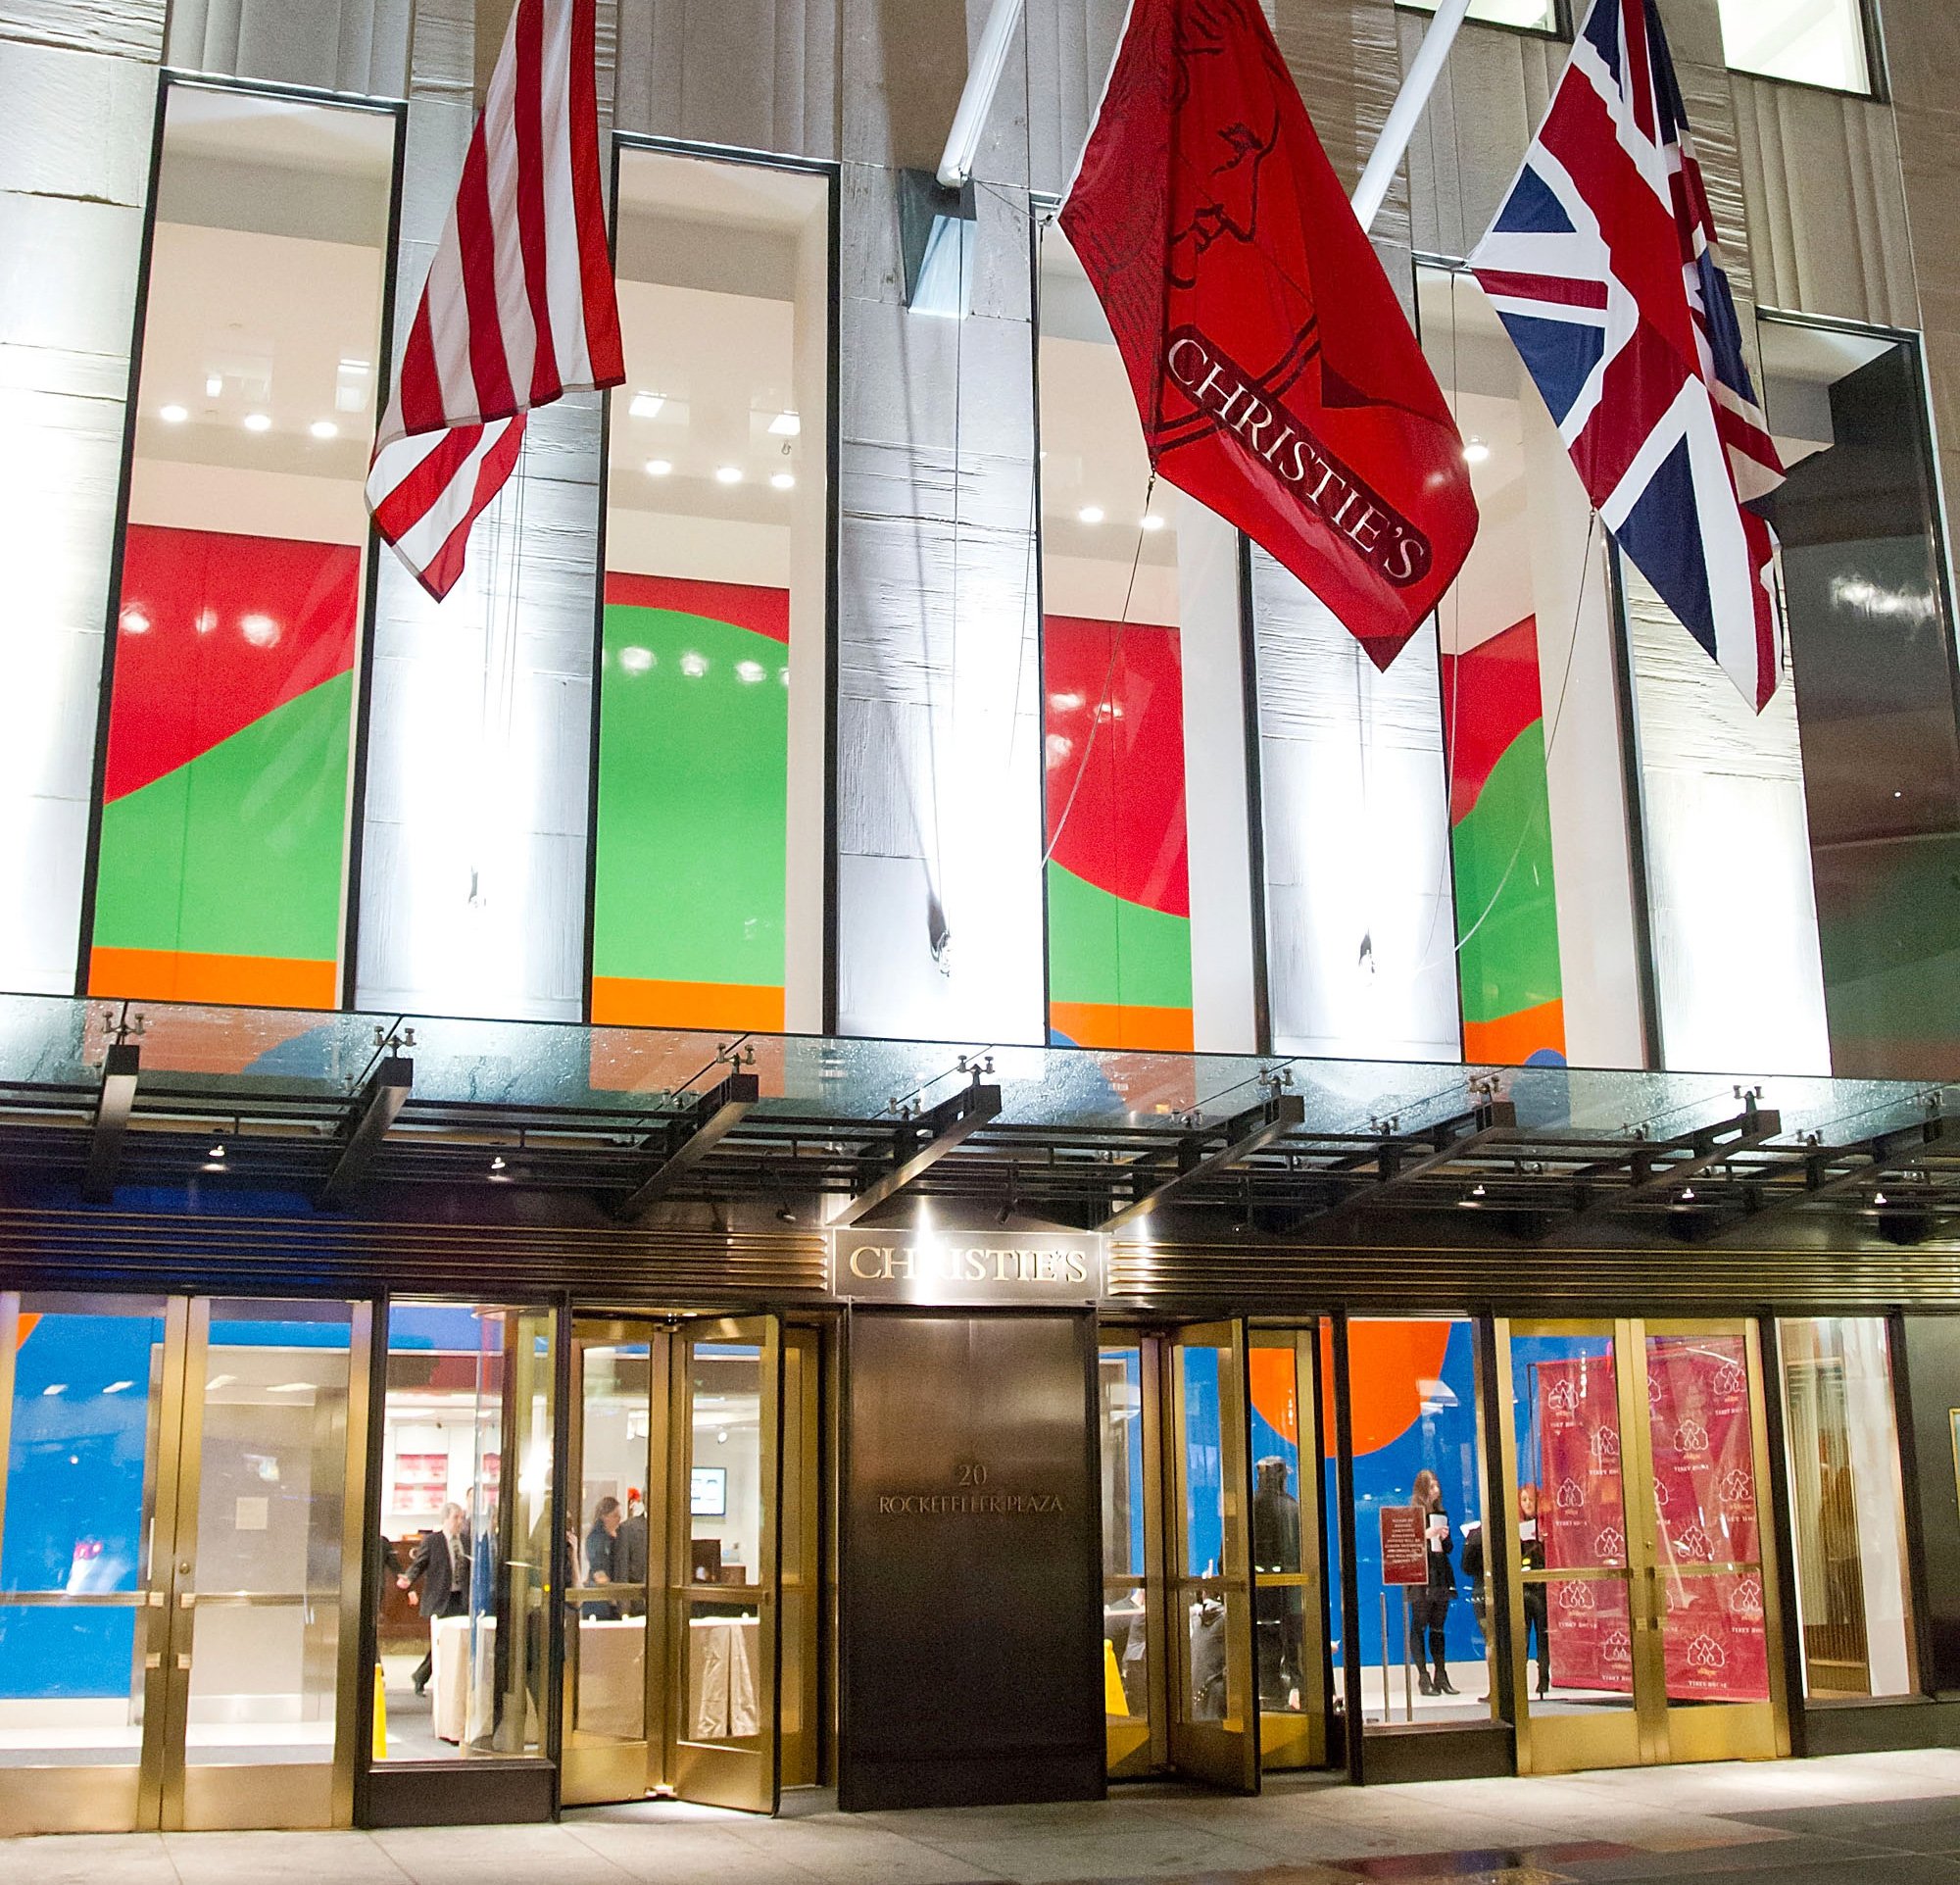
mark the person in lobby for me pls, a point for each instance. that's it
(602, 1554)
(629, 1553)
(1429, 1602)
(1531, 1558)
(440, 1565)
(1278, 1613)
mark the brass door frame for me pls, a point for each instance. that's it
(161, 1790)
(611, 1770)
(1651, 1730)
(800, 1571)
(1154, 1752)
(1224, 1752)
(1287, 1739)
(714, 1775)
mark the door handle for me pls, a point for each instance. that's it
(185, 1599)
(183, 1661)
(154, 1659)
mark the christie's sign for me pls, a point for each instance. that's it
(966, 1266)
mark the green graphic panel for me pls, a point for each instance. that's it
(693, 793)
(238, 852)
(1105, 949)
(1506, 912)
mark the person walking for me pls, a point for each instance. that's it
(1429, 1602)
(440, 1565)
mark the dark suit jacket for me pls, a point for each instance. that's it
(429, 1565)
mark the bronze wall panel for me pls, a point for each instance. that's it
(971, 1579)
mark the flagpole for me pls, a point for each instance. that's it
(1406, 111)
(983, 81)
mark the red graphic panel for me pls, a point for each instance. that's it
(1116, 758)
(1501, 677)
(257, 620)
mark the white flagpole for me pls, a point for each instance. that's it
(983, 81)
(1406, 111)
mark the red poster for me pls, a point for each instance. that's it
(1404, 1547)
(1705, 1515)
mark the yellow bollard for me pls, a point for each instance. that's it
(380, 1716)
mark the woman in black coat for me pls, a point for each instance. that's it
(1429, 1603)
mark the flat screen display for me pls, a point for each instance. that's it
(708, 1496)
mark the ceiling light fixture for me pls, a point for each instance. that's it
(1475, 451)
(1878, 1197)
(646, 404)
(1090, 513)
(659, 466)
(783, 480)
(785, 425)
(217, 1151)
(172, 415)
(214, 386)
(323, 429)
(497, 1162)
(257, 422)
(1688, 1194)
(1153, 522)
(729, 475)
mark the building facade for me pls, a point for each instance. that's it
(876, 1116)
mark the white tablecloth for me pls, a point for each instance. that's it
(722, 1657)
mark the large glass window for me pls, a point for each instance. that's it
(1535, 16)
(1112, 689)
(1871, 649)
(708, 847)
(1814, 42)
(467, 1554)
(1847, 1505)
(1420, 1567)
(223, 817)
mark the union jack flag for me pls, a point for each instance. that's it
(1605, 267)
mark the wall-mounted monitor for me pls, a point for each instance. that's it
(708, 1496)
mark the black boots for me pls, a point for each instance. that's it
(1425, 1685)
(1443, 1685)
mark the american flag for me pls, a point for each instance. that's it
(1605, 267)
(519, 305)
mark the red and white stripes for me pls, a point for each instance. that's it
(519, 305)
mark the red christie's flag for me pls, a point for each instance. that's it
(1277, 376)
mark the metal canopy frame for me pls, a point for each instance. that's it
(596, 1124)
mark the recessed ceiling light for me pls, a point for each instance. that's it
(749, 671)
(134, 622)
(646, 404)
(1090, 513)
(1475, 452)
(172, 415)
(497, 1163)
(262, 631)
(1153, 522)
(323, 429)
(659, 466)
(692, 665)
(290, 1387)
(635, 660)
(53, 1387)
(783, 480)
(117, 1387)
(217, 1151)
(257, 422)
(729, 475)
(785, 425)
(214, 386)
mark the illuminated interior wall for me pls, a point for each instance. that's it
(714, 615)
(1147, 866)
(1548, 959)
(222, 857)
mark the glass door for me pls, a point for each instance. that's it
(1288, 1606)
(1640, 1598)
(179, 1623)
(1133, 1708)
(723, 1495)
(1213, 1716)
(615, 1637)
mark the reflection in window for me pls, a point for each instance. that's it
(1871, 648)
(715, 596)
(1847, 1505)
(1126, 1619)
(1418, 1441)
(1112, 689)
(1537, 16)
(1286, 1597)
(465, 1548)
(225, 803)
(1814, 42)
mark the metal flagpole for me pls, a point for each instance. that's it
(983, 81)
(1406, 111)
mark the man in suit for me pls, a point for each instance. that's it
(629, 1553)
(440, 1563)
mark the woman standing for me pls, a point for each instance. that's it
(1531, 1558)
(1429, 1603)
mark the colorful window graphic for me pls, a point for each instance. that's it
(1118, 889)
(225, 803)
(693, 802)
(1501, 849)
